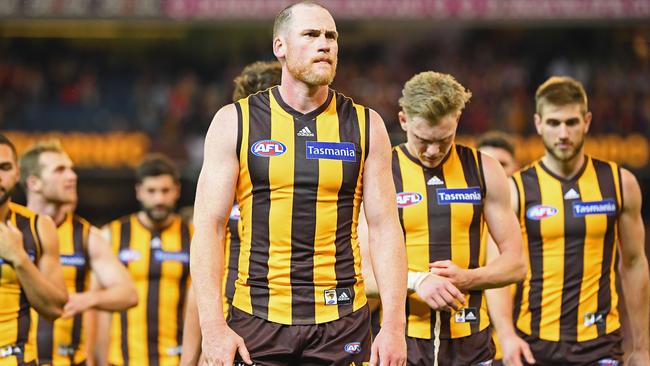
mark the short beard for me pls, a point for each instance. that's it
(6, 196)
(304, 74)
(149, 211)
(576, 152)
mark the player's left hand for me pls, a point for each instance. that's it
(389, 348)
(638, 358)
(78, 303)
(461, 278)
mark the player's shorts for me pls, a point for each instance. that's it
(602, 351)
(474, 350)
(345, 341)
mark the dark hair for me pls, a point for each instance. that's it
(155, 165)
(496, 139)
(5, 141)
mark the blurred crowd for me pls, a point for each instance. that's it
(55, 85)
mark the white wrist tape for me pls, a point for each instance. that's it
(414, 279)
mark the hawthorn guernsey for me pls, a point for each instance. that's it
(459, 195)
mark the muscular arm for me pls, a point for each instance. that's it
(44, 285)
(116, 289)
(366, 264)
(509, 266)
(214, 196)
(633, 266)
(385, 238)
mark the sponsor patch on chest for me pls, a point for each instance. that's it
(604, 207)
(164, 256)
(344, 151)
(470, 195)
(74, 260)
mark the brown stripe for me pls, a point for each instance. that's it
(532, 196)
(399, 185)
(439, 227)
(605, 177)
(233, 260)
(259, 129)
(348, 132)
(239, 128)
(45, 339)
(574, 249)
(153, 301)
(125, 243)
(80, 276)
(182, 285)
(473, 178)
(519, 286)
(29, 243)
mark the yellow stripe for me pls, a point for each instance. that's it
(242, 298)
(281, 181)
(460, 218)
(552, 232)
(524, 320)
(613, 320)
(169, 295)
(416, 226)
(330, 177)
(359, 289)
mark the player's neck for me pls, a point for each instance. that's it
(300, 96)
(565, 169)
(154, 225)
(41, 206)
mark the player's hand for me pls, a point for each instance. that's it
(440, 294)
(389, 348)
(11, 243)
(461, 278)
(78, 303)
(513, 349)
(638, 358)
(219, 347)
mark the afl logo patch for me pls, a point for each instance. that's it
(268, 148)
(128, 255)
(353, 348)
(406, 199)
(539, 212)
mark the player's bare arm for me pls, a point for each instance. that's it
(214, 196)
(633, 268)
(510, 265)
(115, 289)
(43, 285)
(386, 245)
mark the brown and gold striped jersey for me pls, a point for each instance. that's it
(441, 212)
(158, 261)
(61, 343)
(299, 192)
(17, 341)
(233, 234)
(570, 232)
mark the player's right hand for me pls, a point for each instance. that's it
(220, 347)
(514, 349)
(440, 294)
(11, 243)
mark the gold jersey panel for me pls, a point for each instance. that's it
(151, 332)
(441, 212)
(570, 234)
(299, 193)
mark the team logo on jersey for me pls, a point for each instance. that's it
(75, 260)
(268, 148)
(608, 362)
(353, 348)
(163, 256)
(604, 207)
(595, 318)
(338, 296)
(459, 195)
(539, 212)
(406, 199)
(344, 151)
(466, 315)
(129, 255)
(234, 213)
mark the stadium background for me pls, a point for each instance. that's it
(115, 79)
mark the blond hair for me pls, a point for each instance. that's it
(561, 91)
(29, 160)
(432, 95)
(256, 77)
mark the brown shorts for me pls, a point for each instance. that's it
(339, 342)
(476, 349)
(602, 351)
